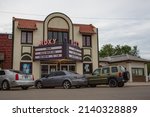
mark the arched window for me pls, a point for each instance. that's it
(87, 58)
(26, 57)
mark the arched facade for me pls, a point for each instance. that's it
(54, 44)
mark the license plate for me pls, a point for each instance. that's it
(26, 77)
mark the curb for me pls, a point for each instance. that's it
(138, 84)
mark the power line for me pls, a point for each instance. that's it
(89, 18)
(9, 12)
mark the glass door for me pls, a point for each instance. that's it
(44, 70)
(52, 68)
(64, 67)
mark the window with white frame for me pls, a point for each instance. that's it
(138, 71)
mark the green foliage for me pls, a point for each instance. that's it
(109, 50)
(148, 68)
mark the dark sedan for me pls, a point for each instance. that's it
(65, 79)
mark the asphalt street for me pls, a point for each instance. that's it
(98, 93)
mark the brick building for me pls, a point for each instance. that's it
(5, 51)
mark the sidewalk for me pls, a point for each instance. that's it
(137, 84)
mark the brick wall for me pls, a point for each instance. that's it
(6, 48)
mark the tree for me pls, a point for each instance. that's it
(109, 50)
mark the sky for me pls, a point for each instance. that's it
(120, 22)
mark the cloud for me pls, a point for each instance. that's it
(119, 21)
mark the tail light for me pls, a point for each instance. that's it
(120, 74)
(32, 77)
(17, 77)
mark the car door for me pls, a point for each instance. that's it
(96, 77)
(105, 74)
(48, 81)
(60, 76)
(56, 78)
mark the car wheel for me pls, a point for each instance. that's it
(24, 88)
(38, 85)
(5, 85)
(66, 85)
(120, 84)
(113, 83)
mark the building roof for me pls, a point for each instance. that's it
(26, 23)
(121, 58)
(31, 24)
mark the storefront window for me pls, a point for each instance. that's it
(48, 68)
(68, 67)
(52, 68)
(87, 68)
(44, 70)
(64, 67)
(138, 71)
(72, 68)
(26, 68)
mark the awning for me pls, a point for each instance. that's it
(27, 24)
(86, 29)
(1, 56)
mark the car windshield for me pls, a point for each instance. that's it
(122, 68)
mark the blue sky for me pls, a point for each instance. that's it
(119, 22)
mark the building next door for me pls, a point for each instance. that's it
(0, 64)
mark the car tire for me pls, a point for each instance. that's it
(66, 84)
(5, 85)
(24, 88)
(39, 85)
(113, 83)
(120, 84)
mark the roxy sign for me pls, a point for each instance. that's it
(48, 42)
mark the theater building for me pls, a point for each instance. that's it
(40, 47)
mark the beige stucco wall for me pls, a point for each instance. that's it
(77, 35)
(17, 48)
(38, 34)
(133, 64)
(58, 23)
(37, 37)
(88, 50)
(95, 51)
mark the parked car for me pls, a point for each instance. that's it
(65, 79)
(14, 78)
(112, 75)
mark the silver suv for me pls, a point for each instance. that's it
(14, 78)
(112, 75)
